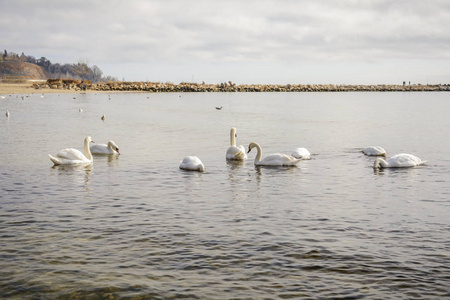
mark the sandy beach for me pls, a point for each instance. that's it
(27, 88)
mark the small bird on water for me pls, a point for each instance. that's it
(7, 113)
(219, 107)
(103, 118)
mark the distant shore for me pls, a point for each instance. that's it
(74, 86)
(26, 88)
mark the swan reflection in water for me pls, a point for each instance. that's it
(235, 164)
(74, 173)
(113, 160)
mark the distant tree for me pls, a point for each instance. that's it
(96, 74)
(23, 58)
(110, 78)
(31, 59)
(81, 69)
(55, 70)
(44, 63)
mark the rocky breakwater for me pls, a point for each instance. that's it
(158, 87)
(64, 84)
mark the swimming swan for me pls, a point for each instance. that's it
(301, 153)
(71, 156)
(401, 160)
(374, 151)
(235, 152)
(110, 148)
(192, 163)
(276, 159)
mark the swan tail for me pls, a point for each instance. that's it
(54, 160)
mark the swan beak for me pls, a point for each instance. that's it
(249, 149)
(117, 149)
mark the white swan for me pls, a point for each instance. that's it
(301, 153)
(276, 159)
(71, 156)
(402, 160)
(374, 151)
(192, 163)
(110, 148)
(235, 152)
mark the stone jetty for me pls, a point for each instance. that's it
(158, 87)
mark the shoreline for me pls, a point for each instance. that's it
(76, 86)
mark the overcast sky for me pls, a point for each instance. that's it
(245, 41)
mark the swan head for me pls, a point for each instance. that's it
(251, 146)
(379, 163)
(113, 146)
(89, 139)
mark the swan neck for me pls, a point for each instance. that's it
(380, 163)
(233, 137)
(87, 150)
(258, 154)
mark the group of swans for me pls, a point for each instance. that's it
(277, 159)
(71, 156)
(237, 153)
(402, 160)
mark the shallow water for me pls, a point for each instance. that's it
(137, 227)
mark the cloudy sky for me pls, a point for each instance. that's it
(245, 41)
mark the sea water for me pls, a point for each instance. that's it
(135, 226)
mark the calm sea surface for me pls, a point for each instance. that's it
(138, 227)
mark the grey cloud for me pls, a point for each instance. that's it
(138, 31)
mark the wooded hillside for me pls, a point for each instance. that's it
(12, 64)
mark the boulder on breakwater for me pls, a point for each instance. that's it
(158, 87)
